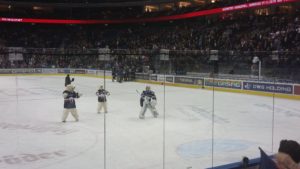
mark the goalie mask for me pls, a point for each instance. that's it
(147, 88)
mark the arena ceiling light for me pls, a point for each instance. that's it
(200, 2)
(252, 5)
(167, 6)
(151, 8)
(5, 7)
(37, 8)
(183, 4)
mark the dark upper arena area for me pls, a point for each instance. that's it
(110, 9)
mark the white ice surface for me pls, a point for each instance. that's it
(33, 136)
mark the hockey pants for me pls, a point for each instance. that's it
(73, 112)
(152, 109)
(102, 105)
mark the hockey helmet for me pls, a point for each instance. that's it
(147, 87)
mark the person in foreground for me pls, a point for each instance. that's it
(288, 156)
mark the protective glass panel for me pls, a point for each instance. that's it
(285, 73)
(188, 117)
(206, 104)
(134, 123)
(242, 119)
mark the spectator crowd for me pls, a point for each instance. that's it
(78, 45)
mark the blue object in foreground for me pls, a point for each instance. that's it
(264, 162)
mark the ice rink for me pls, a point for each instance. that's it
(33, 136)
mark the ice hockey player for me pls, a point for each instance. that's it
(69, 102)
(68, 80)
(102, 93)
(120, 74)
(148, 100)
(113, 73)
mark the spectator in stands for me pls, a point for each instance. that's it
(114, 73)
(74, 46)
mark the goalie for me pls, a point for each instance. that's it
(69, 102)
(148, 100)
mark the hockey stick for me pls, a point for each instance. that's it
(138, 92)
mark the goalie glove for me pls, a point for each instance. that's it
(153, 103)
(78, 95)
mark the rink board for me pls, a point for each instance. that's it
(295, 96)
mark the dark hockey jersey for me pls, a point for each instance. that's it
(101, 93)
(149, 94)
(69, 101)
(67, 80)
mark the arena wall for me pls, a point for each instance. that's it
(270, 89)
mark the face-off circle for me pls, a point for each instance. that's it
(37, 146)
